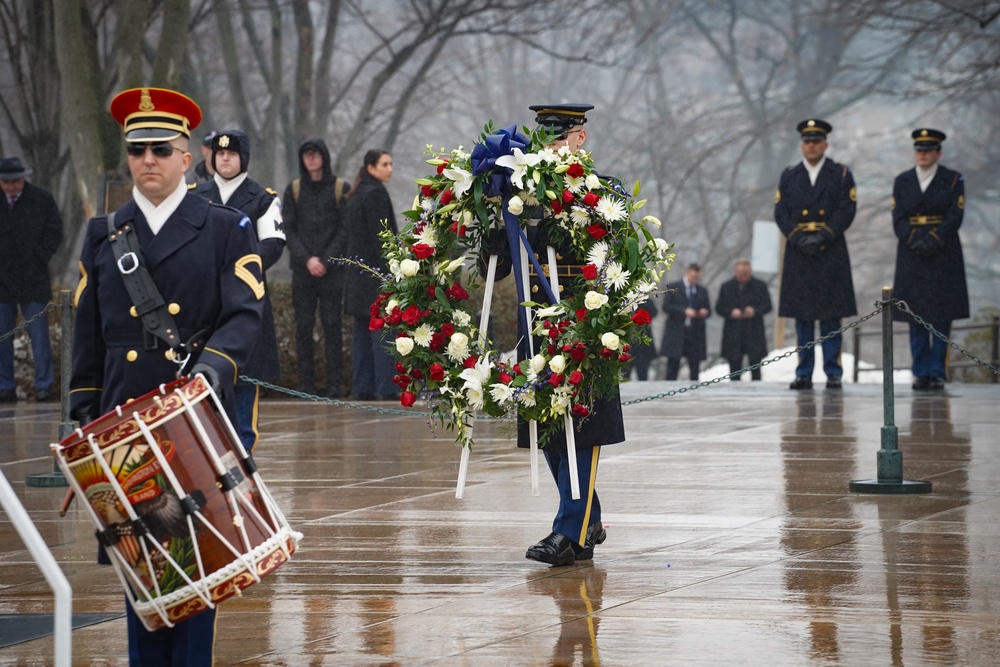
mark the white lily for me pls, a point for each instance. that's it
(551, 311)
(519, 162)
(462, 179)
(475, 377)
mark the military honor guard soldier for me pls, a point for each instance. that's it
(814, 206)
(928, 203)
(204, 262)
(232, 186)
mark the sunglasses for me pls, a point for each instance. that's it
(160, 149)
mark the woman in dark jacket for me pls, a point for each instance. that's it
(369, 211)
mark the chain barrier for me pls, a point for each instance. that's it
(24, 325)
(904, 307)
(879, 307)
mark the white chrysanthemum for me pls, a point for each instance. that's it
(579, 216)
(501, 392)
(611, 209)
(576, 184)
(598, 253)
(527, 398)
(530, 199)
(422, 335)
(427, 236)
(616, 275)
(427, 204)
(475, 398)
(460, 318)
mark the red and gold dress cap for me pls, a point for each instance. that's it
(155, 114)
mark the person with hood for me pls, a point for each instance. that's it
(315, 235)
(230, 185)
(369, 211)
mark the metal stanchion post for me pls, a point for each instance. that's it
(890, 458)
(56, 478)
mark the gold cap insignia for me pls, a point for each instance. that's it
(854, 194)
(777, 196)
(146, 101)
(923, 133)
(811, 123)
(224, 141)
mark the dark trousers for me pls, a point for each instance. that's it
(735, 365)
(691, 353)
(190, 643)
(574, 516)
(247, 408)
(328, 293)
(372, 367)
(41, 349)
(929, 352)
(805, 331)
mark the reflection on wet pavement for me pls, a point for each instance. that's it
(732, 538)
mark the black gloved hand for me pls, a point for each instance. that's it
(496, 242)
(810, 245)
(211, 376)
(923, 248)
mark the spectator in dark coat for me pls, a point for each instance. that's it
(30, 233)
(743, 302)
(315, 232)
(928, 203)
(814, 206)
(369, 211)
(687, 305)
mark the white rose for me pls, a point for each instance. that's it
(409, 267)
(558, 364)
(594, 300)
(459, 339)
(404, 346)
(515, 205)
(593, 182)
(537, 363)
(392, 304)
(610, 341)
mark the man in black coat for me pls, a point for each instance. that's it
(743, 302)
(30, 233)
(230, 185)
(687, 305)
(204, 263)
(316, 233)
(814, 206)
(928, 203)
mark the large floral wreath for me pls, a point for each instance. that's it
(442, 356)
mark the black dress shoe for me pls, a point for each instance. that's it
(834, 383)
(935, 384)
(44, 395)
(921, 383)
(8, 395)
(801, 383)
(555, 549)
(595, 535)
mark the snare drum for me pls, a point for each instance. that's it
(177, 502)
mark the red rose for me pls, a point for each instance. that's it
(422, 250)
(407, 399)
(624, 356)
(457, 292)
(400, 368)
(581, 314)
(554, 332)
(426, 312)
(606, 353)
(402, 334)
(590, 199)
(447, 329)
(417, 374)
(460, 230)
(373, 309)
(551, 349)
(589, 271)
(580, 411)
(596, 231)
(427, 190)
(556, 379)
(402, 380)
(575, 377)
(504, 377)
(578, 352)
(641, 317)
(445, 196)
(375, 323)
(575, 170)
(431, 289)
(436, 372)
(437, 342)
(568, 196)
(470, 361)
(411, 315)
(396, 316)
(557, 207)
(442, 167)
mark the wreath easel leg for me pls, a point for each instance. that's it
(574, 477)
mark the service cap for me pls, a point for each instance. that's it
(814, 128)
(155, 114)
(561, 118)
(926, 139)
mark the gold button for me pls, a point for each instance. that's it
(131, 355)
(173, 308)
(805, 211)
(561, 288)
(169, 354)
(534, 289)
(822, 212)
(133, 312)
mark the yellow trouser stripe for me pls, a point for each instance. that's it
(590, 495)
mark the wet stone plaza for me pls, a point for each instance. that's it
(733, 539)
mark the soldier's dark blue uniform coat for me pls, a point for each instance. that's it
(933, 285)
(205, 261)
(819, 286)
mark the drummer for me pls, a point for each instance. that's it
(204, 262)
